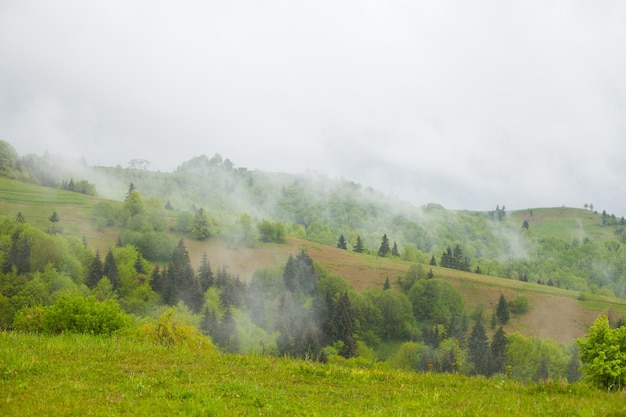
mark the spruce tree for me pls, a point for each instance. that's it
(200, 227)
(384, 246)
(95, 271)
(498, 347)
(109, 270)
(358, 247)
(343, 324)
(433, 261)
(138, 265)
(387, 285)
(341, 243)
(394, 250)
(502, 310)
(478, 349)
(156, 280)
(185, 285)
(205, 274)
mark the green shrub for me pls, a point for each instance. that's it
(170, 330)
(73, 314)
(518, 305)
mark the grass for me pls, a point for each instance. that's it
(72, 375)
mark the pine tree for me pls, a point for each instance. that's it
(95, 272)
(394, 250)
(498, 347)
(205, 274)
(358, 247)
(384, 246)
(502, 310)
(109, 270)
(341, 243)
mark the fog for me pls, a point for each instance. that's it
(466, 104)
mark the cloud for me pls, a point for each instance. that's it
(467, 104)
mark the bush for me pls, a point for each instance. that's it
(519, 305)
(170, 330)
(73, 314)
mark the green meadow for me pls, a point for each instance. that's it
(80, 375)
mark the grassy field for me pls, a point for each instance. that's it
(76, 375)
(564, 223)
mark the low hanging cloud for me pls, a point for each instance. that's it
(467, 104)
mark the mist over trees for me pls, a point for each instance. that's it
(302, 310)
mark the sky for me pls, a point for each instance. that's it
(468, 104)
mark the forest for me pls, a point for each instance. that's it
(53, 282)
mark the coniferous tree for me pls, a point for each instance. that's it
(156, 280)
(478, 349)
(109, 270)
(343, 324)
(446, 258)
(433, 261)
(341, 243)
(54, 219)
(138, 265)
(95, 272)
(200, 227)
(184, 283)
(498, 347)
(209, 324)
(394, 250)
(387, 285)
(384, 246)
(502, 310)
(227, 333)
(573, 369)
(18, 256)
(358, 247)
(205, 274)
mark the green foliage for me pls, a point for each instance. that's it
(73, 314)
(271, 231)
(519, 305)
(435, 301)
(8, 159)
(603, 355)
(171, 330)
(202, 226)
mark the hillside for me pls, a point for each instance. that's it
(554, 313)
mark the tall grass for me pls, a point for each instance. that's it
(130, 375)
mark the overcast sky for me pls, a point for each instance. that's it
(464, 103)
